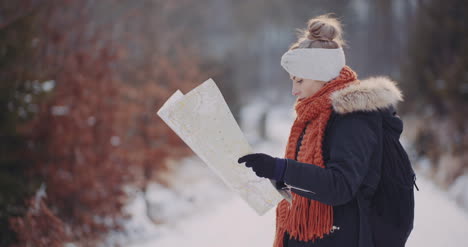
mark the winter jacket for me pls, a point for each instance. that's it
(352, 151)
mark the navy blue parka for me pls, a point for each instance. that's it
(352, 152)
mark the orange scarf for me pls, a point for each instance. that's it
(306, 219)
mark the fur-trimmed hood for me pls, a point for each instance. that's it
(367, 95)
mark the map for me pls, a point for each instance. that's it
(203, 120)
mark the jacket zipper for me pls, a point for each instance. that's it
(297, 188)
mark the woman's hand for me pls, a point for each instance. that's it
(264, 165)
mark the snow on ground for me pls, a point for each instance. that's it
(201, 211)
(439, 221)
(192, 189)
(231, 222)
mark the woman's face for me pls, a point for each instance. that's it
(303, 88)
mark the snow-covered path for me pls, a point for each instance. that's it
(221, 218)
(439, 222)
(232, 223)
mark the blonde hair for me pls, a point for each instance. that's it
(322, 31)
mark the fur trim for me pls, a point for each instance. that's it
(367, 95)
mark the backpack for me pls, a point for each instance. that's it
(392, 211)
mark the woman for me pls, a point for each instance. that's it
(332, 160)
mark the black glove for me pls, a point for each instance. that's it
(265, 166)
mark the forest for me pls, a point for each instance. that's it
(81, 81)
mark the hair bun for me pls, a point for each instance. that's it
(323, 31)
(324, 28)
(319, 34)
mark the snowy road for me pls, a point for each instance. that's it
(223, 219)
(439, 222)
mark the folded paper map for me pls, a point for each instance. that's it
(202, 119)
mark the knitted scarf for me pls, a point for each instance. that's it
(307, 219)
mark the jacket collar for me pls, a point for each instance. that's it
(367, 95)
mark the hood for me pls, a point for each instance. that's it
(367, 95)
